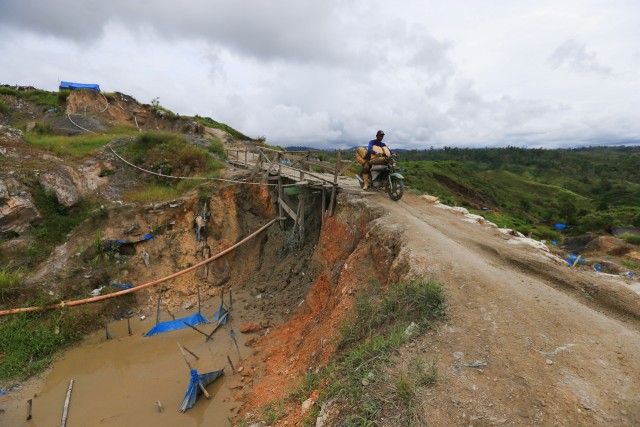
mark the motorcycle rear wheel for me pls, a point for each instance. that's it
(396, 189)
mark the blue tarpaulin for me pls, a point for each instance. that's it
(142, 239)
(194, 387)
(560, 226)
(174, 325)
(571, 259)
(74, 86)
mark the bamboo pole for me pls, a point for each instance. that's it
(65, 410)
(191, 353)
(204, 390)
(224, 316)
(195, 329)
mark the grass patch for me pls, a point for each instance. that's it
(631, 265)
(29, 341)
(170, 154)
(362, 376)
(38, 96)
(56, 223)
(209, 122)
(376, 330)
(633, 239)
(148, 193)
(272, 412)
(77, 147)
(11, 283)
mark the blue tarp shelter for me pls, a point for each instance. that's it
(74, 86)
(174, 325)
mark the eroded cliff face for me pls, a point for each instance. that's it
(354, 246)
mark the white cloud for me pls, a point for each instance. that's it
(331, 73)
(575, 56)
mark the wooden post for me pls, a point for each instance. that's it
(198, 289)
(233, 368)
(338, 163)
(280, 191)
(333, 201)
(129, 326)
(232, 334)
(220, 320)
(29, 404)
(324, 202)
(65, 410)
(301, 207)
(158, 310)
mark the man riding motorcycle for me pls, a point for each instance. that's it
(372, 156)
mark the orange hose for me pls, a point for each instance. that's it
(137, 288)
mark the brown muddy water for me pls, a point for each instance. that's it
(117, 382)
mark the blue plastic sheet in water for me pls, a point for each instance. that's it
(194, 387)
(174, 325)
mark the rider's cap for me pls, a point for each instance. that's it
(380, 132)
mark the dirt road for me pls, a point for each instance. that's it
(528, 340)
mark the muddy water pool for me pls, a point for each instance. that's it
(117, 382)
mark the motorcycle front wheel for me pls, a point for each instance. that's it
(396, 189)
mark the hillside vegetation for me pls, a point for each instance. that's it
(590, 189)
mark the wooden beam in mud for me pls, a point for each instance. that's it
(65, 409)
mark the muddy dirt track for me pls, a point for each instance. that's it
(561, 346)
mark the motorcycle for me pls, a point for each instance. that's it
(386, 176)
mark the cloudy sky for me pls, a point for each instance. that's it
(329, 73)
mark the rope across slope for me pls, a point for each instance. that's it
(144, 286)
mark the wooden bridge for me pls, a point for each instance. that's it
(297, 173)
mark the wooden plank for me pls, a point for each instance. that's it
(288, 209)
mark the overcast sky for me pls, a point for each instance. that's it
(329, 73)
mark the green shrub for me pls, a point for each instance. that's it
(63, 94)
(42, 128)
(9, 91)
(216, 147)
(4, 108)
(171, 154)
